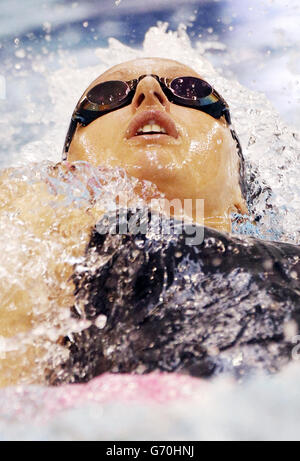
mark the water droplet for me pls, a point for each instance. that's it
(290, 329)
(47, 27)
(101, 321)
(20, 53)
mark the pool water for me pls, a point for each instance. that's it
(47, 62)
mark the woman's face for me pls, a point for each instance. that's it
(196, 159)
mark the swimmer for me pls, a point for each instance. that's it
(162, 123)
(159, 121)
(219, 305)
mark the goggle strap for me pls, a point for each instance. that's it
(71, 131)
(242, 172)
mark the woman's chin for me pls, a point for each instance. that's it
(164, 176)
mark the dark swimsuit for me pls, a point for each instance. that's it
(224, 305)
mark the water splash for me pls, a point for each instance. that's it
(31, 290)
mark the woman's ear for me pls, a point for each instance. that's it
(241, 206)
(239, 203)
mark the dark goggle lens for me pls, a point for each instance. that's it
(190, 88)
(108, 93)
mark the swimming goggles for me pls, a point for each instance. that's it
(108, 96)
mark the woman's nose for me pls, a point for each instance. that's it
(149, 94)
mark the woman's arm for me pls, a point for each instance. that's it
(42, 235)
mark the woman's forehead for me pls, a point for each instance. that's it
(133, 69)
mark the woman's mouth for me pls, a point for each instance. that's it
(151, 128)
(152, 124)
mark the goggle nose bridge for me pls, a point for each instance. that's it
(134, 83)
(141, 77)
